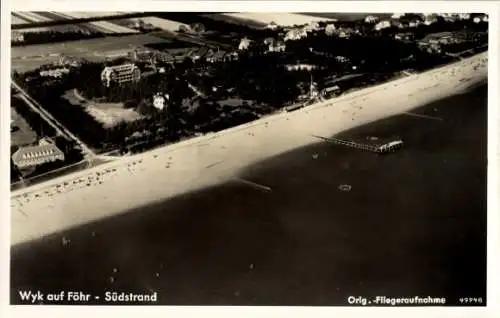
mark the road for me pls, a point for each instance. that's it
(33, 104)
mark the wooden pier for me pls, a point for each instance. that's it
(380, 149)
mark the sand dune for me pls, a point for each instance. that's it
(138, 180)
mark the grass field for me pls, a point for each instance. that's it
(108, 114)
(25, 135)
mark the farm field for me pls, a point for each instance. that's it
(14, 20)
(101, 26)
(96, 14)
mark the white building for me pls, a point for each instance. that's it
(55, 72)
(46, 151)
(341, 59)
(277, 46)
(482, 18)
(382, 25)
(431, 19)
(397, 15)
(17, 37)
(330, 29)
(159, 101)
(414, 23)
(300, 67)
(244, 44)
(371, 19)
(464, 16)
(295, 34)
(120, 74)
(312, 26)
(272, 26)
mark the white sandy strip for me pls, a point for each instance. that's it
(103, 26)
(101, 14)
(283, 19)
(33, 17)
(212, 159)
(14, 20)
(31, 30)
(164, 24)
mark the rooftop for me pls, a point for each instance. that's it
(44, 149)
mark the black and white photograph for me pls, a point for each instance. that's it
(249, 158)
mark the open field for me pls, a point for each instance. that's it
(25, 135)
(17, 20)
(102, 26)
(262, 19)
(31, 16)
(216, 158)
(29, 57)
(108, 114)
(96, 14)
(111, 114)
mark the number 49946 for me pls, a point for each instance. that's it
(470, 300)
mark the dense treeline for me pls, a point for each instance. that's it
(14, 173)
(55, 36)
(214, 25)
(36, 123)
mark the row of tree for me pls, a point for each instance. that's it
(40, 37)
(36, 123)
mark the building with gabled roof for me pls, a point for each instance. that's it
(120, 74)
(31, 156)
(217, 56)
(67, 60)
(17, 37)
(200, 53)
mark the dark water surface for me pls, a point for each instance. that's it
(414, 223)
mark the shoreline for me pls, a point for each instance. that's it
(204, 161)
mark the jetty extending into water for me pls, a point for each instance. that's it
(380, 149)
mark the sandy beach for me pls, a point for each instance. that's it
(135, 181)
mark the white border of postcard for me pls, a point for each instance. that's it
(493, 285)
